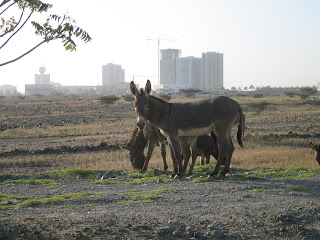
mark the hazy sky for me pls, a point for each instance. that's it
(264, 42)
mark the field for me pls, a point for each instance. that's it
(42, 134)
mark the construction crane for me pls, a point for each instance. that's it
(161, 39)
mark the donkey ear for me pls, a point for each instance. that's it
(133, 89)
(315, 148)
(148, 87)
(125, 147)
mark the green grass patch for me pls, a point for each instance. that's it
(30, 181)
(202, 180)
(53, 200)
(7, 200)
(203, 170)
(138, 197)
(73, 174)
(290, 173)
(150, 176)
(245, 177)
(175, 200)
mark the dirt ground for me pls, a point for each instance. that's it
(221, 209)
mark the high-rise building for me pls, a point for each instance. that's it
(112, 74)
(212, 69)
(168, 59)
(189, 72)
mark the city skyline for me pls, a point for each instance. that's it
(265, 43)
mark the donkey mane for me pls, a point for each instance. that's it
(133, 135)
(159, 99)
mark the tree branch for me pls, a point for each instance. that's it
(4, 3)
(26, 53)
(15, 25)
(6, 7)
(17, 30)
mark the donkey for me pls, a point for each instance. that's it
(151, 135)
(205, 146)
(183, 122)
(138, 141)
(317, 151)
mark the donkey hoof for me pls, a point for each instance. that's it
(177, 177)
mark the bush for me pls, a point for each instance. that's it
(128, 98)
(290, 94)
(258, 107)
(258, 95)
(108, 99)
(190, 92)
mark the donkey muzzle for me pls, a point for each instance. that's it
(141, 122)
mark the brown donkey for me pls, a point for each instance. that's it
(317, 151)
(138, 141)
(151, 136)
(183, 122)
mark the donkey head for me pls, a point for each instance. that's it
(141, 103)
(317, 151)
(137, 157)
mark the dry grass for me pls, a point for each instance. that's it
(114, 126)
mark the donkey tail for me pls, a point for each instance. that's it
(241, 127)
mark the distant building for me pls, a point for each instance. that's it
(112, 74)
(77, 90)
(42, 86)
(42, 78)
(212, 69)
(318, 87)
(168, 60)
(189, 72)
(8, 90)
(38, 89)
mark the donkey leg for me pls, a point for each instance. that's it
(208, 159)
(184, 144)
(164, 154)
(228, 157)
(174, 160)
(149, 154)
(202, 160)
(194, 158)
(177, 153)
(193, 144)
(223, 149)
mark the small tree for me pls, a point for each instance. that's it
(190, 92)
(56, 27)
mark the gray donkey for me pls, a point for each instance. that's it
(183, 122)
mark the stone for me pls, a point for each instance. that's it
(108, 175)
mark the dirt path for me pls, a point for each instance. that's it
(176, 209)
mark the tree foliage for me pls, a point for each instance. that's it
(55, 27)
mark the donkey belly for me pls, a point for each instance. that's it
(194, 132)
